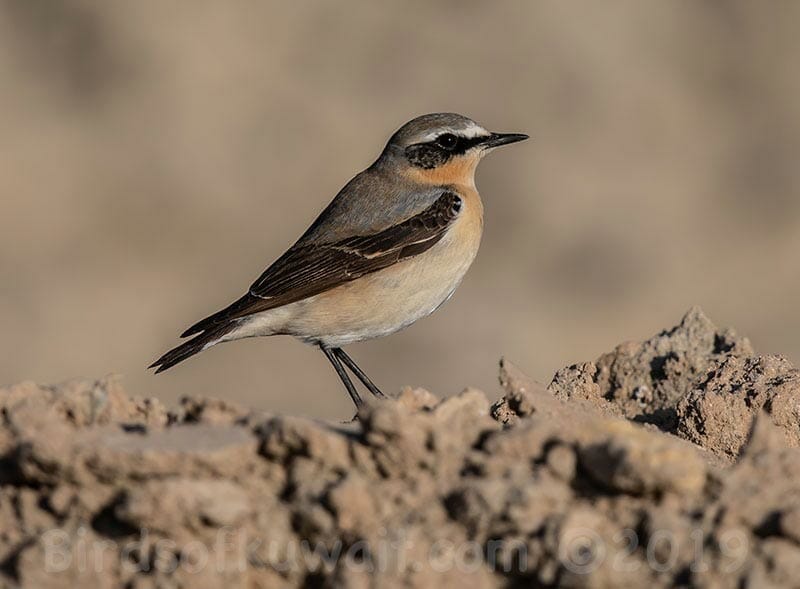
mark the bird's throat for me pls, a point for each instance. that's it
(458, 171)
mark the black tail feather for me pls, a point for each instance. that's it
(204, 324)
(188, 349)
(218, 319)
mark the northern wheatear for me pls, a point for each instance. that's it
(389, 249)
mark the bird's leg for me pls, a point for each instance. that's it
(342, 355)
(348, 384)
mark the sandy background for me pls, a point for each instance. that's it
(154, 158)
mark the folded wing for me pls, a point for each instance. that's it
(306, 270)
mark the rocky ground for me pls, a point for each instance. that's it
(669, 462)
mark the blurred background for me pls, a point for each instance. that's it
(155, 157)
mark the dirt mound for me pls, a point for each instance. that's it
(667, 462)
(701, 383)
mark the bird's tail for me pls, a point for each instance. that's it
(187, 349)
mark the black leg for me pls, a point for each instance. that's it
(348, 384)
(342, 355)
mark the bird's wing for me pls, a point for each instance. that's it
(308, 269)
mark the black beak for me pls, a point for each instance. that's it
(498, 139)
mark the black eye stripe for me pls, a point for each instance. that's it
(462, 144)
(466, 143)
(432, 154)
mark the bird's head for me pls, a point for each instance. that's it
(443, 148)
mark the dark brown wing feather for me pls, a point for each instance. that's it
(307, 270)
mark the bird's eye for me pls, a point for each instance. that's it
(447, 141)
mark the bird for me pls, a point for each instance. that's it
(390, 248)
